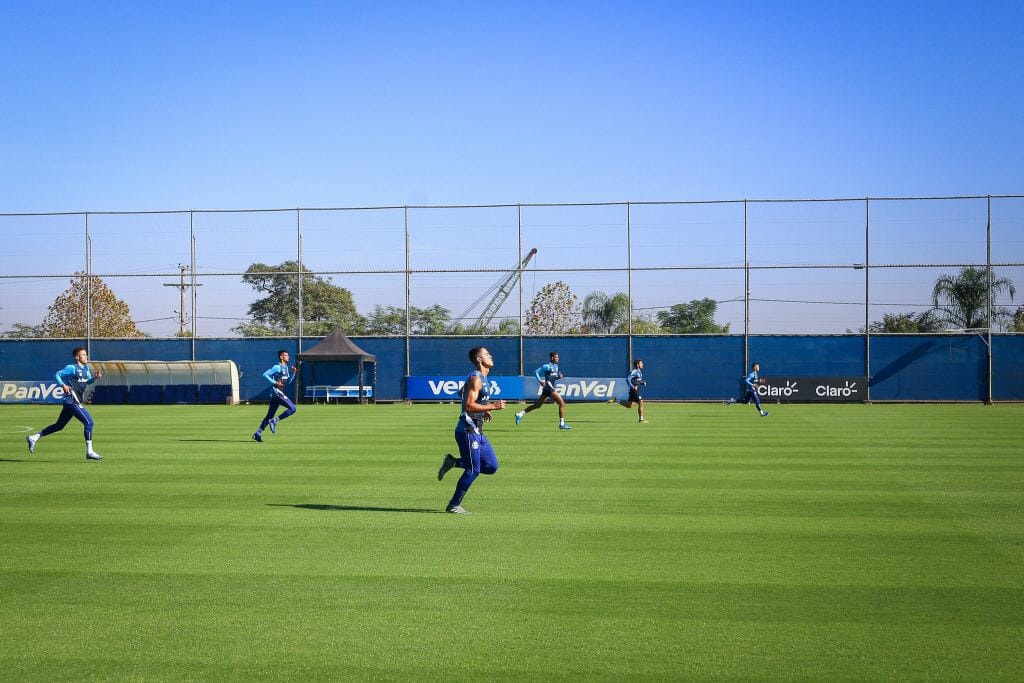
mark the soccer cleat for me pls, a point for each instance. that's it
(256, 437)
(519, 418)
(564, 426)
(730, 401)
(764, 413)
(273, 426)
(643, 422)
(459, 510)
(449, 462)
(93, 455)
(31, 443)
(612, 401)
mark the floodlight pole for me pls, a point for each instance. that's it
(867, 298)
(519, 230)
(193, 284)
(298, 249)
(629, 284)
(88, 287)
(408, 321)
(746, 289)
(988, 262)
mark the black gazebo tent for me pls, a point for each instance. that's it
(337, 347)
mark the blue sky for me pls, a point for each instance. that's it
(135, 106)
(205, 105)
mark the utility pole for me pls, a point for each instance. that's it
(182, 286)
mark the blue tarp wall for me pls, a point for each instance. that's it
(903, 367)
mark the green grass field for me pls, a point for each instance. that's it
(821, 543)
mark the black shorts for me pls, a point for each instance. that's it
(546, 391)
(634, 395)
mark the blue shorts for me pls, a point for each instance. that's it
(476, 453)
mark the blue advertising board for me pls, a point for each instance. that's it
(447, 387)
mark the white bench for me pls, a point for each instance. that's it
(334, 391)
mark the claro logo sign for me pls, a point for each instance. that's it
(848, 390)
(814, 389)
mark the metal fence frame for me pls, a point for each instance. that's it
(866, 264)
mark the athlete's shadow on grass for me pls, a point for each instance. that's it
(26, 459)
(353, 508)
(217, 440)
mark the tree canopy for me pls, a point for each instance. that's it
(325, 306)
(554, 310)
(695, 317)
(68, 315)
(962, 300)
(603, 314)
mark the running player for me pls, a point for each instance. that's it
(74, 379)
(751, 382)
(476, 456)
(635, 380)
(279, 376)
(547, 375)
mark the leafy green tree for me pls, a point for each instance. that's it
(907, 323)
(695, 317)
(22, 331)
(386, 321)
(603, 314)
(1017, 324)
(646, 324)
(325, 306)
(507, 326)
(554, 310)
(431, 320)
(390, 320)
(962, 301)
(67, 315)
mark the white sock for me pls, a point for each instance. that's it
(521, 413)
(36, 436)
(561, 420)
(88, 446)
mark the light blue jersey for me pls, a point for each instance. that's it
(76, 376)
(548, 374)
(474, 421)
(751, 380)
(635, 379)
(280, 372)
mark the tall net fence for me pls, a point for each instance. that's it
(824, 266)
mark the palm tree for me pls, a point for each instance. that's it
(965, 298)
(606, 314)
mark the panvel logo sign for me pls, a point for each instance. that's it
(446, 388)
(815, 389)
(31, 392)
(585, 388)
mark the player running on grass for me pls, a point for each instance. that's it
(635, 380)
(547, 375)
(751, 381)
(279, 376)
(476, 456)
(74, 379)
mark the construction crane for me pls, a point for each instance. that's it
(501, 291)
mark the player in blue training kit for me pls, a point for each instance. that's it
(634, 380)
(547, 375)
(74, 379)
(476, 456)
(279, 376)
(751, 382)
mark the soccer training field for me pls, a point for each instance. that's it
(821, 542)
